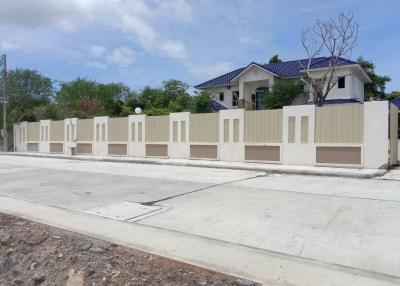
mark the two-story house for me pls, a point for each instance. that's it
(244, 87)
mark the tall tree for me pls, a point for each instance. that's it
(202, 102)
(336, 37)
(85, 97)
(375, 89)
(285, 91)
(274, 59)
(27, 89)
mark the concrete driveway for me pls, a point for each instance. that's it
(348, 223)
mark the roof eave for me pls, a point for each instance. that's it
(251, 65)
(367, 79)
(210, 86)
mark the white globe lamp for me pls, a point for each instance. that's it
(138, 110)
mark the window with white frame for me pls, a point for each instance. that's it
(235, 98)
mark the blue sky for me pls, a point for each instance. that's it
(143, 42)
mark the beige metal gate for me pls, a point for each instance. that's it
(394, 136)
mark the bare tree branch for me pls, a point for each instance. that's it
(335, 37)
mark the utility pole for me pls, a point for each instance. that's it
(3, 62)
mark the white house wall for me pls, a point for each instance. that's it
(227, 94)
(253, 74)
(352, 87)
(358, 88)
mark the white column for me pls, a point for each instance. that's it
(298, 153)
(100, 143)
(376, 134)
(136, 135)
(20, 136)
(179, 146)
(16, 136)
(70, 128)
(44, 139)
(241, 89)
(232, 147)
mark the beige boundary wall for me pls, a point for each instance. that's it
(351, 135)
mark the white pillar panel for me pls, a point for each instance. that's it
(179, 146)
(20, 136)
(295, 152)
(70, 129)
(136, 135)
(44, 138)
(231, 145)
(100, 142)
(376, 134)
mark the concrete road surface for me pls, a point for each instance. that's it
(348, 224)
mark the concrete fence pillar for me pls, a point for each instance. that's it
(70, 132)
(298, 126)
(136, 135)
(179, 146)
(44, 137)
(376, 134)
(100, 143)
(231, 134)
(20, 136)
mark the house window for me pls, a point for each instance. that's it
(235, 98)
(221, 96)
(341, 82)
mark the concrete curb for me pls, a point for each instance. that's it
(268, 267)
(268, 168)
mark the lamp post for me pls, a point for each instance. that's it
(3, 63)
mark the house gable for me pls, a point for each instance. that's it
(253, 72)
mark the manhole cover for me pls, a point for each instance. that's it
(123, 211)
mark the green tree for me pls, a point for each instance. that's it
(27, 89)
(274, 59)
(172, 96)
(201, 102)
(90, 98)
(375, 89)
(393, 95)
(283, 93)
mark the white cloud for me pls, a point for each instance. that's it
(207, 71)
(179, 9)
(96, 64)
(9, 46)
(122, 56)
(97, 51)
(174, 49)
(139, 20)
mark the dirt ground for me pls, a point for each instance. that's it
(36, 254)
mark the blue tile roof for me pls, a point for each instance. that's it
(396, 102)
(216, 106)
(283, 69)
(221, 80)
